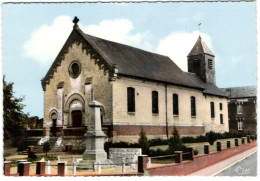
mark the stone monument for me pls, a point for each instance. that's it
(94, 137)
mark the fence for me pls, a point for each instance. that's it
(201, 161)
(144, 163)
(71, 168)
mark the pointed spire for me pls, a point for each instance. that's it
(200, 47)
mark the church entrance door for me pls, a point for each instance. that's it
(76, 118)
(53, 130)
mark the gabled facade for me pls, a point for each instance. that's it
(138, 90)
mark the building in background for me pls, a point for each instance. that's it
(242, 108)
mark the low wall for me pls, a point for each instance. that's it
(199, 162)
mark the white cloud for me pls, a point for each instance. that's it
(119, 30)
(46, 42)
(177, 46)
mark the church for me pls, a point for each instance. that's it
(137, 89)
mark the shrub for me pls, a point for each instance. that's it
(212, 137)
(188, 139)
(32, 156)
(175, 142)
(143, 142)
(201, 138)
(196, 152)
(46, 148)
(157, 141)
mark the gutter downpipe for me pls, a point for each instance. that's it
(166, 116)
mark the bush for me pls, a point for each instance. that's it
(196, 152)
(46, 148)
(212, 137)
(188, 139)
(143, 142)
(157, 141)
(175, 142)
(201, 138)
(32, 156)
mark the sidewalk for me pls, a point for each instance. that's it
(220, 166)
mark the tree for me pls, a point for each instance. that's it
(46, 148)
(14, 118)
(143, 142)
(175, 142)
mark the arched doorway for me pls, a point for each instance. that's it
(76, 113)
(54, 123)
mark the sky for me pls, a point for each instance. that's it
(33, 34)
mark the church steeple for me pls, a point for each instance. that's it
(200, 47)
(201, 61)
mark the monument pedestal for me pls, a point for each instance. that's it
(94, 148)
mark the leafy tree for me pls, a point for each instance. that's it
(143, 142)
(14, 118)
(46, 148)
(175, 142)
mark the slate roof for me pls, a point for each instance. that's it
(208, 88)
(200, 47)
(138, 63)
(240, 92)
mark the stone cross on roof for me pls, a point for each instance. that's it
(75, 21)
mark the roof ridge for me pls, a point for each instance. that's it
(103, 39)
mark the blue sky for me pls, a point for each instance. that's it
(34, 33)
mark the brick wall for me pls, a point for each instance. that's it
(248, 115)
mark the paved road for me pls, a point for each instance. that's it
(246, 167)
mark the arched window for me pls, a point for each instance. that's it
(155, 106)
(130, 99)
(175, 102)
(193, 105)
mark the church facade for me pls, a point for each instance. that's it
(137, 90)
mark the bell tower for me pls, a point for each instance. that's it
(201, 62)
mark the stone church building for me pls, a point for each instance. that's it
(137, 90)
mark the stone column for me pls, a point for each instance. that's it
(178, 158)
(142, 163)
(7, 168)
(40, 168)
(24, 168)
(94, 137)
(206, 149)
